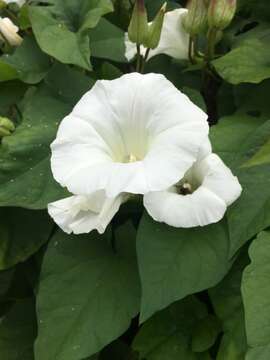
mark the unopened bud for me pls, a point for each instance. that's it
(138, 27)
(6, 127)
(9, 32)
(195, 21)
(155, 29)
(221, 13)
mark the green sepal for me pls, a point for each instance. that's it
(155, 29)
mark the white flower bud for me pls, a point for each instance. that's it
(9, 32)
(18, 2)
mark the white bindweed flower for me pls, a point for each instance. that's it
(18, 2)
(9, 32)
(199, 199)
(173, 41)
(82, 214)
(135, 134)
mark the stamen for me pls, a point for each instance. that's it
(132, 158)
(184, 189)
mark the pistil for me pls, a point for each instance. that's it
(184, 189)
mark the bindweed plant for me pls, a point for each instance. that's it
(134, 180)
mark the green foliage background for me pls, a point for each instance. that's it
(158, 293)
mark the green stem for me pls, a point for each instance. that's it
(210, 84)
(138, 65)
(211, 45)
(146, 54)
(191, 50)
(144, 60)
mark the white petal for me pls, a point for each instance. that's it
(217, 189)
(218, 178)
(205, 150)
(198, 209)
(136, 116)
(130, 48)
(173, 40)
(82, 214)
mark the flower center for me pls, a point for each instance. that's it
(130, 158)
(189, 183)
(184, 188)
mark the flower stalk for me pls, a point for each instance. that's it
(211, 44)
(139, 58)
(191, 50)
(220, 14)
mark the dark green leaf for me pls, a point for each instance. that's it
(238, 137)
(154, 5)
(249, 63)
(88, 294)
(22, 233)
(256, 298)
(109, 71)
(24, 20)
(225, 100)
(259, 31)
(122, 12)
(174, 262)
(251, 213)
(28, 61)
(5, 280)
(205, 333)
(67, 84)
(62, 29)
(25, 174)
(261, 157)
(253, 99)
(10, 93)
(227, 302)
(7, 72)
(258, 9)
(18, 331)
(118, 350)
(167, 335)
(107, 41)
